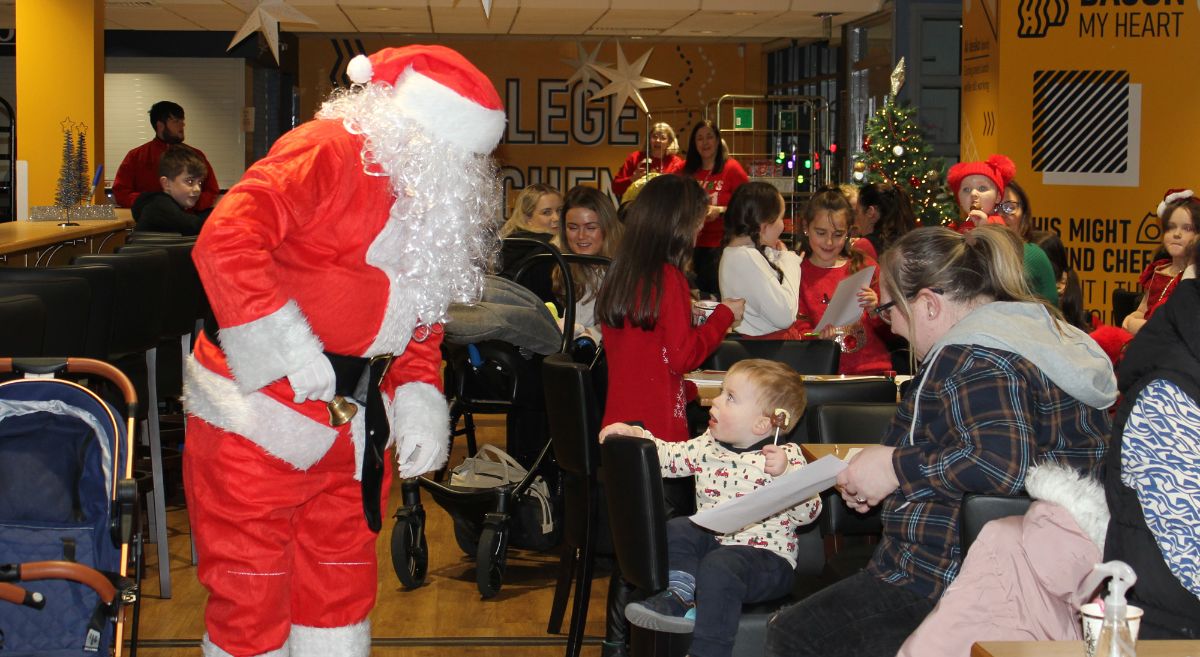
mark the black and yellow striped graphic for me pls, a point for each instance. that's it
(1081, 121)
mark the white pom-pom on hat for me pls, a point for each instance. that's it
(441, 91)
(1171, 196)
(359, 70)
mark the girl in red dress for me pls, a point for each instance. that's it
(829, 260)
(645, 310)
(1179, 213)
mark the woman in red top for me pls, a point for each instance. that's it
(828, 261)
(720, 176)
(645, 311)
(661, 157)
(1179, 212)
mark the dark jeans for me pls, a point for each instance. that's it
(706, 261)
(860, 616)
(726, 577)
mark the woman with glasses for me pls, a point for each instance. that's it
(1003, 383)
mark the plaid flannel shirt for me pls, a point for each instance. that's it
(985, 416)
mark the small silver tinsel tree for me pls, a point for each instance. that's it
(67, 192)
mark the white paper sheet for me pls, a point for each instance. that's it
(786, 491)
(843, 308)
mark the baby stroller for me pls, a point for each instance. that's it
(493, 359)
(68, 511)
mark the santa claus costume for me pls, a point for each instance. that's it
(346, 242)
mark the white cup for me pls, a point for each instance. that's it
(707, 307)
(1093, 617)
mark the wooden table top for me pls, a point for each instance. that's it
(1075, 649)
(16, 236)
(814, 451)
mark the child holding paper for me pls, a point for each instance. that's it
(828, 261)
(713, 575)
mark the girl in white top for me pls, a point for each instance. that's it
(757, 266)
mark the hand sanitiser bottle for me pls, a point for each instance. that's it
(1115, 639)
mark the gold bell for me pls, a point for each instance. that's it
(341, 411)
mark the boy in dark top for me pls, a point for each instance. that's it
(181, 173)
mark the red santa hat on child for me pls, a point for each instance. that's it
(1170, 197)
(438, 89)
(998, 168)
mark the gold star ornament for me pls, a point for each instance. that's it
(897, 77)
(583, 65)
(264, 16)
(626, 81)
(487, 8)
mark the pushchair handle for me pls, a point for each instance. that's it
(19, 596)
(35, 570)
(74, 366)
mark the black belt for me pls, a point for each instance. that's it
(348, 371)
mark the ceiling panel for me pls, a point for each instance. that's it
(693, 19)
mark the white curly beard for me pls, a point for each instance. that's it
(441, 233)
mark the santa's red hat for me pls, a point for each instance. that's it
(998, 168)
(440, 90)
(1170, 197)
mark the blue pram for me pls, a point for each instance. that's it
(68, 512)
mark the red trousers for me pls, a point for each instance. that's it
(276, 546)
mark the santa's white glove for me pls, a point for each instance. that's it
(313, 381)
(421, 428)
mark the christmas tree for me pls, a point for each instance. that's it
(82, 181)
(67, 192)
(895, 151)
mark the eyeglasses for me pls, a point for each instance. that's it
(1009, 207)
(883, 312)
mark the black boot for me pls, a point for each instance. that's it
(616, 628)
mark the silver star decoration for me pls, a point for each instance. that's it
(583, 64)
(264, 16)
(487, 8)
(626, 81)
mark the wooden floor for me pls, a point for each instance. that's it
(443, 618)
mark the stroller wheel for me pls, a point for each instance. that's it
(490, 560)
(410, 552)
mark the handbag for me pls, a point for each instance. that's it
(534, 526)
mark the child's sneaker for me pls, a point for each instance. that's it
(664, 612)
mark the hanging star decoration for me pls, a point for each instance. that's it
(897, 77)
(487, 8)
(583, 65)
(626, 81)
(264, 16)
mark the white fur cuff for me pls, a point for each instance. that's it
(347, 641)
(210, 649)
(420, 417)
(273, 426)
(270, 347)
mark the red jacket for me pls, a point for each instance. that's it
(635, 167)
(646, 368)
(138, 174)
(719, 187)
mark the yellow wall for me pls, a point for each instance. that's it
(554, 134)
(1073, 77)
(60, 75)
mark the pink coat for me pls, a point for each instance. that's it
(1019, 581)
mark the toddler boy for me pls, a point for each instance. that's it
(181, 173)
(712, 575)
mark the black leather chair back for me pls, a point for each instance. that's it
(633, 487)
(818, 393)
(67, 301)
(22, 323)
(182, 296)
(102, 284)
(141, 280)
(842, 422)
(805, 356)
(573, 414)
(978, 510)
(150, 236)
